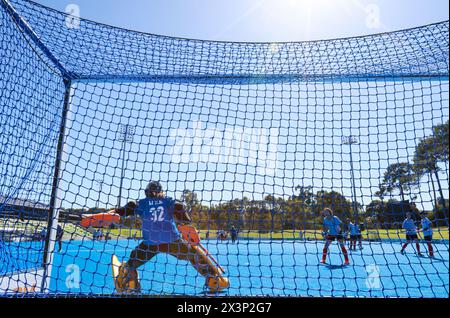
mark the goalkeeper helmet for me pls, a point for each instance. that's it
(153, 187)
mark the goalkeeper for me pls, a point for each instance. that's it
(159, 215)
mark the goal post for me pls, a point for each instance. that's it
(31, 277)
(55, 201)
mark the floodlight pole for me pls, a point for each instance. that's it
(352, 140)
(100, 185)
(126, 136)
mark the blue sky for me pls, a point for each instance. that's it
(260, 20)
(310, 153)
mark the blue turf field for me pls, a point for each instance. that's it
(274, 268)
(18, 256)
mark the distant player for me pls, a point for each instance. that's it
(411, 233)
(355, 235)
(427, 231)
(43, 234)
(222, 235)
(332, 230)
(59, 237)
(234, 234)
(159, 215)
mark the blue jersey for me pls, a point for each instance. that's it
(333, 225)
(158, 223)
(354, 229)
(410, 227)
(426, 227)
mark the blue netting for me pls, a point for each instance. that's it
(262, 136)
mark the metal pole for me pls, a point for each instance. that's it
(253, 79)
(122, 173)
(52, 221)
(355, 208)
(100, 185)
(126, 136)
(350, 140)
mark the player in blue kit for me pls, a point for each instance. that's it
(160, 215)
(427, 231)
(234, 234)
(411, 233)
(355, 235)
(333, 231)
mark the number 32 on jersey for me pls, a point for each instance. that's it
(157, 214)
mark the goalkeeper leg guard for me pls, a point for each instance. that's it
(128, 280)
(217, 283)
(122, 279)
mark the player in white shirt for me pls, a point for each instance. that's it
(411, 233)
(427, 231)
(333, 231)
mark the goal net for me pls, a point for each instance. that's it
(255, 140)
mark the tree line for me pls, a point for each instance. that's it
(302, 210)
(402, 177)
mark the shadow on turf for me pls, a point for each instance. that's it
(438, 259)
(434, 258)
(329, 266)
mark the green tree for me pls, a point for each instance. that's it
(398, 176)
(333, 200)
(429, 152)
(190, 199)
(441, 136)
(298, 215)
(305, 194)
(389, 214)
(440, 212)
(271, 208)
